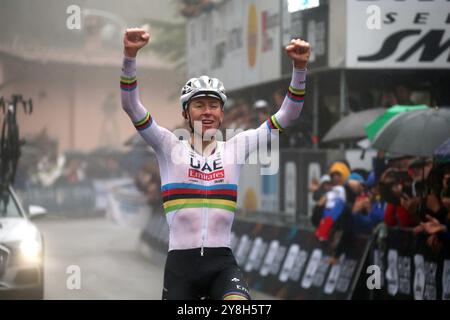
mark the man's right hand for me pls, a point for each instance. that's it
(134, 40)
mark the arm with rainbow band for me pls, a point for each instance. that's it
(292, 105)
(154, 135)
(299, 52)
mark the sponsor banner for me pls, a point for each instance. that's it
(410, 269)
(398, 34)
(258, 192)
(249, 195)
(297, 170)
(238, 42)
(289, 263)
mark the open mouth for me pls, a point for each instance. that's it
(207, 122)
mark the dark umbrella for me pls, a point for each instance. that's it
(351, 127)
(376, 125)
(415, 133)
(442, 153)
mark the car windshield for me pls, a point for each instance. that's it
(11, 210)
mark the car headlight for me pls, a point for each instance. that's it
(31, 250)
(30, 246)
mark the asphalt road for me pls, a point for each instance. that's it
(94, 258)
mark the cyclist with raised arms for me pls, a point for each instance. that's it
(200, 193)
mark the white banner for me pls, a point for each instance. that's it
(398, 34)
(238, 43)
(249, 188)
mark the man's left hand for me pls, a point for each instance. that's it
(299, 51)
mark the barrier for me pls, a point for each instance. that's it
(410, 269)
(76, 199)
(290, 263)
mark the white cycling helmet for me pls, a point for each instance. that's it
(202, 87)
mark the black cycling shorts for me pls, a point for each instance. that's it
(190, 276)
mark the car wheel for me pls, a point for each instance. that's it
(35, 293)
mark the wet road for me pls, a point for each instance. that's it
(94, 258)
(110, 263)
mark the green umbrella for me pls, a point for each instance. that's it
(416, 133)
(373, 127)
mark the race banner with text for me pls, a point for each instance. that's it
(290, 263)
(410, 268)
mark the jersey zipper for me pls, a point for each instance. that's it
(204, 226)
(204, 221)
(204, 230)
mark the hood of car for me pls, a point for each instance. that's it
(16, 229)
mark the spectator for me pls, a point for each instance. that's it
(319, 190)
(335, 200)
(321, 187)
(148, 182)
(368, 212)
(436, 224)
(49, 169)
(438, 233)
(394, 184)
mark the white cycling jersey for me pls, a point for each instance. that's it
(200, 192)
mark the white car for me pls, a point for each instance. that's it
(21, 251)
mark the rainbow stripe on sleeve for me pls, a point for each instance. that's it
(128, 83)
(272, 123)
(296, 95)
(144, 123)
(178, 196)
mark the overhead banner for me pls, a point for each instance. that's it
(238, 42)
(410, 34)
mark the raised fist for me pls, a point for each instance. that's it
(134, 40)
(299, 51)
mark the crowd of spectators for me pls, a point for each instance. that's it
(402, 191)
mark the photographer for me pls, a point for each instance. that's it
(395, 189)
